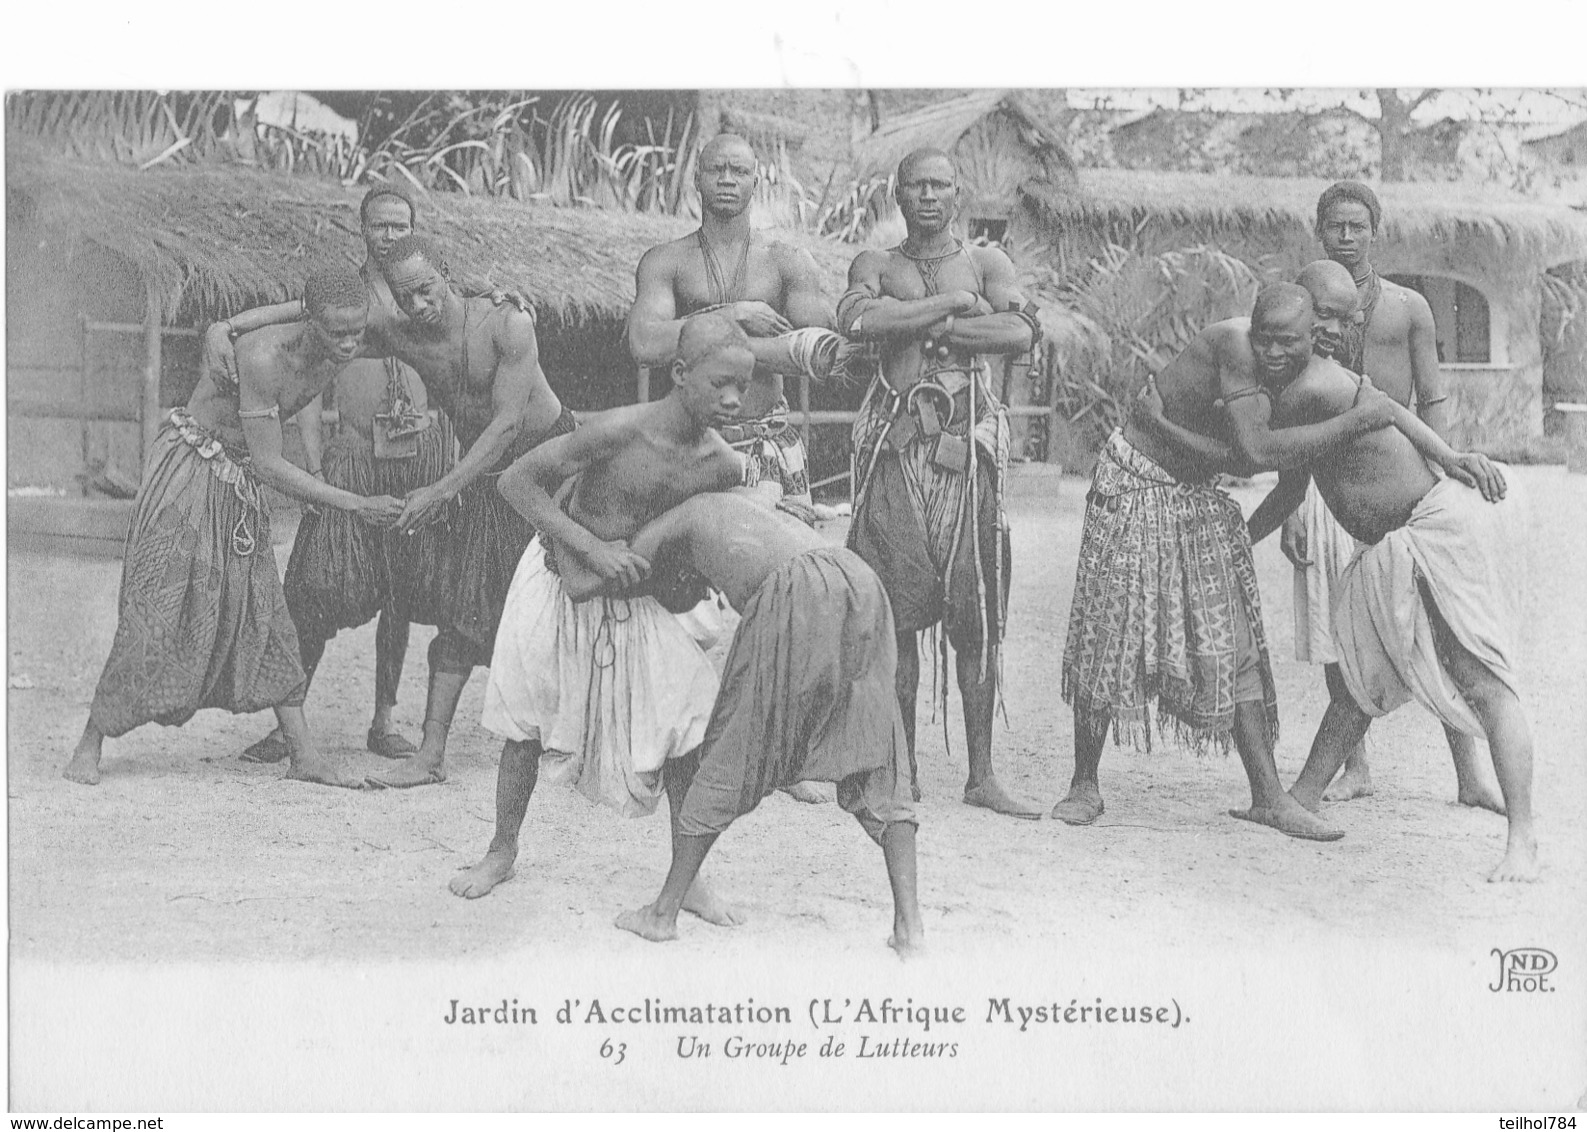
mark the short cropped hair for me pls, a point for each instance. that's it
(915, 157)
(1351, 191)
(415, 246)
(333, 285)
(391, 191)
(705, 335)
(1280, 297)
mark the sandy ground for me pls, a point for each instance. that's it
(184, 853)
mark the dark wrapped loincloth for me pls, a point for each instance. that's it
(203, 621)
(481, 553)
(1166, 607)
(807, 696)
(343, 571)
(774, 451)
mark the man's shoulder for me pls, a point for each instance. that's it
(1227, 338)
(1396, 296)
(985, 256)
(671, 253)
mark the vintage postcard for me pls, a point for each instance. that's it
(797, 599)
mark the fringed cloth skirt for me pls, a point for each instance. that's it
(808, 696)
(1165, 608)
(343, 571)
(203, 621)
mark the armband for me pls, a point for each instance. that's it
(1248, 391)
(1027, 315)
(1434, 401)
(260, 414)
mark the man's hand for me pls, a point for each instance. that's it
(758, 319)
(1475, 470)
(219, 358)
(1377, 405)
(422, 507)
(378, 510)
(1292, 540)
(1148, 408)
(616, 563)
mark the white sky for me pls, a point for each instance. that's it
(1527, 107)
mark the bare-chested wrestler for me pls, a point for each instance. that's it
(203, 621)
(766, 287)
(807, 692)
(343, 573)
(1429, 609)
(1394, 342)
(1166, 607)
(931, 449)
(612, 696)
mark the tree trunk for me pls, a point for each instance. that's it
(1394, 123)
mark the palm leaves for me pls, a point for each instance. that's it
(1128, 313)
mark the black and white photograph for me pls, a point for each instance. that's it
(796, 598)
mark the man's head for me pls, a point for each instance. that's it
(336, 302)
(385, 216)
(1280, 334)
(419, 278)
(927, 191)
(1334, 304)
(726, 175)
(1348, 215)
(712, 369)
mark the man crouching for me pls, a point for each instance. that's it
(807, 693)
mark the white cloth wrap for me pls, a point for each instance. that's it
(611, 688)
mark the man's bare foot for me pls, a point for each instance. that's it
(710, 907)
(990, 795)
(648, 924)
(388, 744)
(83, 768)
(812, 793)
(1081, 806)
(1520, 861)
(1288, 816)
(475, 881)
(908, 939)
(409, 772)
(271, 749)
(326, 772)
(1353, 783)
(1480, 796)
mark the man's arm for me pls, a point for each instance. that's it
(1003, 331)
(581, 583)
(1287, 495)
(1266, 448)
(1471, 468)
(653, 322)
(866, 314)
(1427, 377)
(261, 429)
(1148, 412)
(517, 379)
(803, 302)
(219, 356)
(528, 486)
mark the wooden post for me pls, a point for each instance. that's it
(151, 374)
(804, 408)
(642, 384)
(83, 381)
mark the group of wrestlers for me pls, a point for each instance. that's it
(587, 563)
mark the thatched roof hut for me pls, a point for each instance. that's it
(99, 252)
(1006, 154)
(1478, 255)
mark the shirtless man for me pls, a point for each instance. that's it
(767, 287)
(807, 692)
(341, 574)
(1430, 609)
(613, 696)
(184, 640)
(931, 449)
(480, 362)
(1163, 546)
(1394, 342)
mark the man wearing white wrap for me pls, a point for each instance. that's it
(611, 695)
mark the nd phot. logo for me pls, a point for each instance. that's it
(1524, 969)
